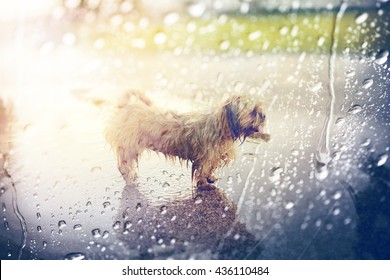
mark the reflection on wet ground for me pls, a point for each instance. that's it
(203, 227)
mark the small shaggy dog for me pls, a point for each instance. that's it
(204, 139)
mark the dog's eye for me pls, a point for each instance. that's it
(261, 117)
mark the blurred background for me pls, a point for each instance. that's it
(318, 190)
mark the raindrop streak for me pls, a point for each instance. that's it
(18, 214)
(323, 152)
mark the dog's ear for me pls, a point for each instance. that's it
(232, 119)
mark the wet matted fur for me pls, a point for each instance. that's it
(206, 139)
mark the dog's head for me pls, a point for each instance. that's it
(245, 118)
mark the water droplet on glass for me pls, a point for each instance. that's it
(128, 224)
(163, 210)
(165, 185)
(289, 205)
(275, 174)
(347, 221)
(6, 225)
(366, 142)
(337, 195)
(382, 159)
(96, 233)
(116, 225)
(355, 109)
(2, 191)
(106, 234)
(361, 18)
(283, 30)
(321, 41)
(96, 169)
(160, 38)
(61, 224)
(336, 211)
(74, 256)
(138, 207)
(350, 73)
(224, 45)
(382, 57)
(39, 228)
(316, 87)
(254, 35)
(197, 9)
(89, 203)
(171, 18)
(106, 204)
(321, 168)
(294, 152)
(367, 83)
(198, 200)
(77, 227)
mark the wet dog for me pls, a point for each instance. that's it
(206, 139)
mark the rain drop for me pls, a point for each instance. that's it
(160, 38)
(336, 211)
(382, 57)
(316, 87)
(163, 210)
(96, 233)
(61, 224)
(367, 83)
(106, 204)
(198, 200)
(74, 256)
(106, 234)
(337, 195)
(138, 207)
(197, 9)
(275, 174)
(77, 227)
(289, 205)
(382, 159)
(361, 18)
(254, 35)
(128, 224)
(321, 41)
(355, 109)
(116, 225)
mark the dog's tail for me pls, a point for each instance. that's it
(133, 97)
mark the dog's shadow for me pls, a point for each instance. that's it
(203, 227)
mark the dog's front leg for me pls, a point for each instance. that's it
(203, 174)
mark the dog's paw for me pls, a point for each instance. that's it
(266, 137)
(263, 136)
(206, 187)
